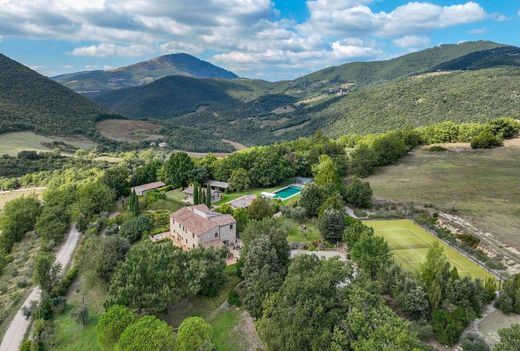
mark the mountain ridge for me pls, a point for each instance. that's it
(142, 73)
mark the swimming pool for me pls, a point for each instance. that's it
(287, 192)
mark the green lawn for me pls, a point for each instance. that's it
(70, 335)
(223, 324)
(175, 194)
(198, 305)
(410, 244)
(298, 234)
(165, 204)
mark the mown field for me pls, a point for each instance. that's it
(410, 244)
(13, 143)
(481, 186)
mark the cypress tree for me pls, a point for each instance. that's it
(133, 204)
(208, 196)
(196, 195)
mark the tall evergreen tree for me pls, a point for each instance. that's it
(196, 195)
(133, 204)
(208, 196)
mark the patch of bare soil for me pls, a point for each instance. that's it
(247, 331)
(235, 144)
(489, 243)
(466, 147)
(433, 74)
(492, 320)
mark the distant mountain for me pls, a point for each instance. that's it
(142, 73)
(30, 101)
(363, 73)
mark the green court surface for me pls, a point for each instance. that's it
(410, 243)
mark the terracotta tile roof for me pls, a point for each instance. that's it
(200, 219)
(148, 186)
(217, 184)
(243, 201)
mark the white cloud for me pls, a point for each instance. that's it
(478, 31)
(244, 35)
(104, 50)
(412, 41)
(354, 48)
(499, 17)
(417, 16)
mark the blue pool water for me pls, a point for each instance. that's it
(287, 192)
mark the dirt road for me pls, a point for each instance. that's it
(19, 325)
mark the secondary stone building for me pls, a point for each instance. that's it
(198, 225)
(188, 194)
(141, 189)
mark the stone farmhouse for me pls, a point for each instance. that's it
(198, 225)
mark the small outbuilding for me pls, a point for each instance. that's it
(142, 189)
(215, 184)
(243, 201)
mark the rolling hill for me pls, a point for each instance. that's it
(30, 101)
(363, 73)
(175, 96)
(471, 81)
(142, 73)
(465, 96)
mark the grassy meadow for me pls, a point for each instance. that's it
(15, 279)
(12, 143)
(7, 196)
(128, 130)
(481, 186)
(410, 244)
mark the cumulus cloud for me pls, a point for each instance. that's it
(354, 48)
(412, 41)
(104, 50)
(339, 16)
(244, 35)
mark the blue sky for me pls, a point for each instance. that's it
(267, 39)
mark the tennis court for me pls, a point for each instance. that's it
(410, 244)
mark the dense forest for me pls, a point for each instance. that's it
(30, 101)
